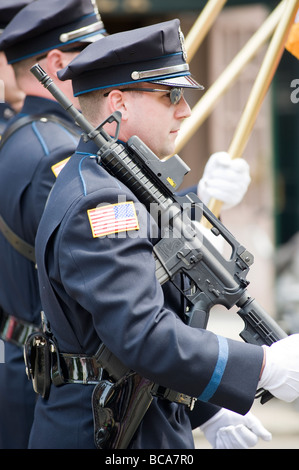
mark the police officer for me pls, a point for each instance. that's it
(11, 97)
(98, 284)
(33, 150)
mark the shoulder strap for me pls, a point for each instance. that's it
(14, 127)
(23, 121)
(16, 242)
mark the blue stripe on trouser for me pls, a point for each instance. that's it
(218, 371)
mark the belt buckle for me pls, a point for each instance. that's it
(186, 400)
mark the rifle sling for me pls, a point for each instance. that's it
(16, 242)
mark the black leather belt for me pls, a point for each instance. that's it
(67, 368)
(15, 330)
(78, 369)
(86, 370)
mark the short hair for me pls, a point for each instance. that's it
(90, 104)
(23, 67)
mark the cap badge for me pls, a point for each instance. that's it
(182, 41)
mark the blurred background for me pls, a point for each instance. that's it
(267, 220)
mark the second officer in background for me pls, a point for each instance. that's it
(33, 149)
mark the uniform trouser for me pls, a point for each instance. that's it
(17, 400)
(64, 421)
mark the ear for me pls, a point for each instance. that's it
(117, 101)
(56, 60)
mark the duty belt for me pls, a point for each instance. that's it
(86, 370)
(68, 368)
(15, 330)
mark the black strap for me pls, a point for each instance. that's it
(88, 370)
(23, 121)
(17, 242)
(14, 127)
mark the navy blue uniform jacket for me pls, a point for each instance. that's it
(26, 177)
(104, 289)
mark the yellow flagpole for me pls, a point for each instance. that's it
(260, 88)
(201, 26)
(206, 104)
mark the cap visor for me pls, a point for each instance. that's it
(94, 38)
(181, 82)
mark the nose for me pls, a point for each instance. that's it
(182, 109)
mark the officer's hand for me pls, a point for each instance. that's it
(229, 430)
(224, 179)
(281, 372)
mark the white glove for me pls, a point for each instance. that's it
(224, 179)
(229, 430)
(281, 372)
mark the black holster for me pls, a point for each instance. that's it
(118, 403)
(41, 357)
(118, 409)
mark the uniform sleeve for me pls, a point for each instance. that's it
(113, 279)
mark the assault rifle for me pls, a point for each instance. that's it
(183, 246)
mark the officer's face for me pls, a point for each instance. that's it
(154, 119)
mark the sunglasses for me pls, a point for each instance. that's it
(175, 94)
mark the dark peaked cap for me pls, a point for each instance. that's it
(48, 24)
(151, 54)
(9, 9)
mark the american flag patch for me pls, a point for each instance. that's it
(59, 166)
(113, 218)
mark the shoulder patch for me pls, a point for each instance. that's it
(113, 218)
(59, 166)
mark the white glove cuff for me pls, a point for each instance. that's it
(281, 372)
